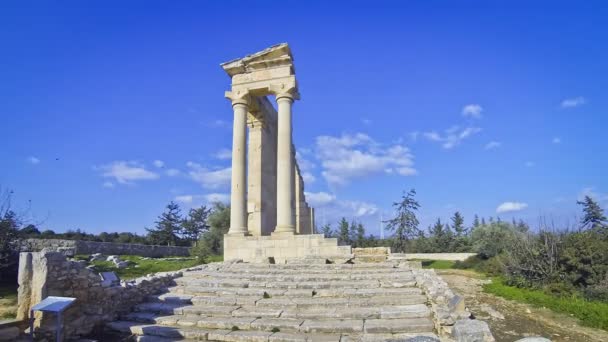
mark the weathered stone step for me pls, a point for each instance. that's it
(298, 276)
(180, 291)
(344, 302)
(313, 285)
(319, 313)
(188, 327)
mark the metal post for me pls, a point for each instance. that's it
(59, 327)
(32, 325)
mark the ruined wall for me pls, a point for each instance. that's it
(45, 274)
(302, 210)
(106, 248)
(262, 169)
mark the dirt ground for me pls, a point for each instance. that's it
(510, 321)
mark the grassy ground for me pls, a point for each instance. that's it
(437, 264)
(590, 313)
(141, 266)
(8, 301)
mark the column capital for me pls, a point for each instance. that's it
(285, 91)
(238, 97)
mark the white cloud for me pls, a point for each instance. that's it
(510, 207)
(184, 198)
(108, 184)
(127, 172)
(339, 208)
(319, 199)
(172, 172)
(308, 178)
(218, 123)
(353, 156)
(573, 102)
(207, 178)
(223, 154)
(33, 160)
(452, 136)
(492, 145)
(556, 140)
(200, 199)
(472, 111)
(530, 164)
(159, 163)
(303, 163)
(593, 193)
(217, 197)
(414, 135)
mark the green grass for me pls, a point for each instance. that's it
(437, 264)
(8, 300)
(591, 313)
(144, 266)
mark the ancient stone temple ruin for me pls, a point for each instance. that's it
(269, 215)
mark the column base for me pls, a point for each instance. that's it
(282, 234)
(284, 229)
(238, 233)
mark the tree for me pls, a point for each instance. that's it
(219, 224)
(168, 227)
(441, 236)
(195, 224)
(458, 225)
(9, 232)
(343, 232)
(360, 236)
(405, 223)
(593, 215)
(327, 231)
(476, 221)
(29, 231)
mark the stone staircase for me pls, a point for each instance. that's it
(302, 301)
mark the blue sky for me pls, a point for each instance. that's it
(110, 109)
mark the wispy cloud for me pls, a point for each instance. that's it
(530, 164)
(208, 178)
(158, 163)
(173, 172)
(108, 184)
(127, 172)
(366, 121)
(556, 140)
(223, 154)
(202, 199)
(493, 145)
(33, 160)
(507, 207)
(351, 156)
(573, 102)
(336, 207)
(472, 111)
(452, 136)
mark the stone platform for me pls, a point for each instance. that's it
(285, 302)
(282, 247)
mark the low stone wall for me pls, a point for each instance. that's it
(43, 274)
(432, 256)
(105, 248)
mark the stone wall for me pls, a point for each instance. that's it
(432, 256)
(43, 274)
(106, 248)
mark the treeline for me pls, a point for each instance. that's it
(564, 262)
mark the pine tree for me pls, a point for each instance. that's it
(405, 224)
(168, 227)
(327, 231)
(360, 235)
(476, 221)
(483, 221)
(458, 224)
(343, 232)
(196, 223)
(593, 215)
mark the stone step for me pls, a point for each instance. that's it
(296, 277)
(313, 285)
(180, 291)
(319, 313)
(211, 328)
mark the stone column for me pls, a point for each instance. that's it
(238, 190)
(285, 167)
